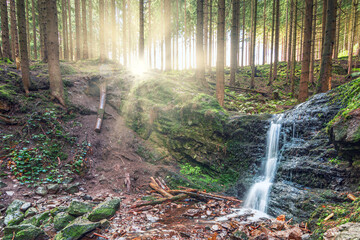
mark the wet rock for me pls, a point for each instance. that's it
(31, 212)
(53, 188)
(347, 231)
(72, 188)
(77, 208)
(41, 191)
(61, 220)
(24, 232)
(13, 213)
(76, 229)
(105, 210)
(25, 206)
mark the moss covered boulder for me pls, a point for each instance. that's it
(13, 214)
(77, 208)
(104, 210)
(76, 229)
(61, 220)
(24, 232)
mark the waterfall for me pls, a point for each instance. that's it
(259, 192)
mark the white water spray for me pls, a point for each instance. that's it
(259, 193)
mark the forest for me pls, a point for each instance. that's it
(181, 119)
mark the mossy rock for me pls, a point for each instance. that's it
(14, 218)
(58, 210)
(76, 229)
(14, 206)
(105, 210)
(24, 232)
(61, 220)
(77, 208)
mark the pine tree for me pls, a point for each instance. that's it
(85, 47)
(234, 40)
(167, 7)
(220, 81)
(5, 30)
(141, 35)
(200, 67)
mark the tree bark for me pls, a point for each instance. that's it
(326, 58)
(220, 81)
(200, 67)
(352, 29)
(264, 34)
(102, 32)
(23, 45)
(312, 55)
(77, 30)
(124, 34)
(205, 25)
(234, 40)
(71, 52)
(167, 22)
(85, 47)
(64, 26)
(323, 24)
(252, 45)
(293, 51)
(290, 40)
(5, 30)
(14, 33)
(56, 84)
(27, 27)
(304, 79)
(34, 28)
(210, 35)
(277, 39)
(243, 35)
(141, 35)
(43, 32)
(90, 40)
(272, 44)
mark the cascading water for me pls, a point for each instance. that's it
(259, 193)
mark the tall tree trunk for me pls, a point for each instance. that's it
(70, 33)
(5, 30)
(352, 29)
(185, 37)
(78, 30)
(85, 47)
(290, 39)
(220, 81)
(64, 22)
(253, 38)
(113, 30)
(205, 24)
(129, 31)
(102, 31)
(43, 33)
(272, 43)
(150, 34)
(28, 28)
(167, 21)
(304, 79)
(14, 33)
(312, 56)
(264, 34)
(234, 40)
(284, 56)
(56, 84)
(200, 67)
(90, 41)
(177, 35)
(293, 51)
(124, 33)
(277, 38)
(23, 45)
(326, 58)
(325, 6)
(336, 47)
(141, 35)
(243, 34)
(34, 28)
(210, 35)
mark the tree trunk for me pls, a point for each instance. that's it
(5, 30)
(150, 34)
(200, 67)
(77, 30)
(234, 40)
(141, 35)
(304, 79)
(325, 6)
(167, 21)
(23, 45)
(312, 56)
(185, 36)
(177, 35)
(253, 38)
(243, 35)
(124, 33)
(14, 33)
(286, 32)
(34, 28)
(336, 47)
(205, 25)
(326, 58)
(28, 28)
(352, 29)
(264, 32)
(129, 21)
(85, 47)
(90, 41)
(277, 38)
(293, 51)
(102, 31)
(70, 33)
(64, 21)
(56, 84)
(220, 81)
(210, 35)
(272, 43)
(43, 33)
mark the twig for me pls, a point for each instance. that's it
(102, 236)
(161, 200)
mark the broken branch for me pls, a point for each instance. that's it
(161, 200)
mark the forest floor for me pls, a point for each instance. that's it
(99, 164)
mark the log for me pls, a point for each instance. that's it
(101, 110)
(204, 195)
(156, 187)
(351, 197)
(243, 89)
(161, 200)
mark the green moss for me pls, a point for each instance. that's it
(7, 92)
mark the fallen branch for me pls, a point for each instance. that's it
(351, 197)
(7, 120)
(154, 185)
(101, 110)
(99, 235)
(204, 195)
(243, 89)
(328, 217)
(161, 200)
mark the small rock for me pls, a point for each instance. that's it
(76, 229)
(215, 227)
(77, 208)
(24, 232)
(41, 191)
(25, 206)
(14, 218)
(86, 197)
(10, 193)
(72, 188)
(2, 184)
(31, 212)
(104, 224)
(61, 220)
(53, 188)
(105, 210)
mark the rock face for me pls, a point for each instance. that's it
(347, 231)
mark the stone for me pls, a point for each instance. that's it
(10, 193)
(58, 210)
(61, 220)
(53, 188)
(347, 231)
(24, 232)
(41, 191)
(104, 224)
(86, 197)
(105, 210)
(13, 213)
(2, 184)
(31, 212)
(76, 229)
(72, 188)
(77, 208)
(25, 206)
